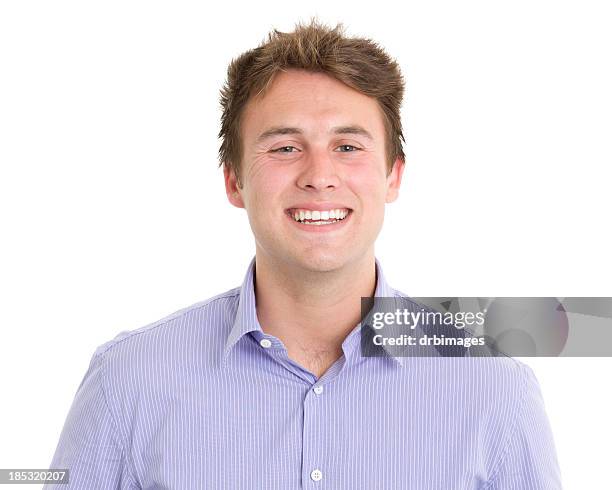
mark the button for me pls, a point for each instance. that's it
(265, 343)
(318, 389)
(316, 475)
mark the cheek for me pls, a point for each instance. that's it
(370, 188)
(264, 191)
(271, 183)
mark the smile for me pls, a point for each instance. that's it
(318, 217)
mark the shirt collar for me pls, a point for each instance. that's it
(246, 314)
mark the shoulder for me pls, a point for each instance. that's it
(503, 379)
(197, 324)
(491, 392)
(494, 373)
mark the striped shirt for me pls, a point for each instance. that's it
(204, 399)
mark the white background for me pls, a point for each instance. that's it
(113, 212)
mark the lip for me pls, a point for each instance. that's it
(320, 228)
(318, 206)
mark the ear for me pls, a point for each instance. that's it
(394, 180)
(232, 190)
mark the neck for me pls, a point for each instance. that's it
(312, 312)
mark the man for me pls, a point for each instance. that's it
(264, 386)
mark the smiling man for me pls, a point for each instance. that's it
(265, 385)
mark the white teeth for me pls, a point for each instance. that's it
(319, 217)
(319, 223)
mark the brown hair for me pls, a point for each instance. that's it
(359, 63)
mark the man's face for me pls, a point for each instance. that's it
(314, 149)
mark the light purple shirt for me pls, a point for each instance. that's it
(204, 399)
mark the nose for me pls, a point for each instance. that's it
(319, 172)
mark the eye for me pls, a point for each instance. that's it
(285, 149)
(348, 148)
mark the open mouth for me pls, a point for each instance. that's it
(327, 217)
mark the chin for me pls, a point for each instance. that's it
(322, 262)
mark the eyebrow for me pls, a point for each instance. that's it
(282, 130)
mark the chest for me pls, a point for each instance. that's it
(275, 431)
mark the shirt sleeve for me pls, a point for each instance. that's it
(89, 445)
(530, 460)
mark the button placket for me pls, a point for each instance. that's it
(314, 444)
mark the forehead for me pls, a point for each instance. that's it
(312, 101)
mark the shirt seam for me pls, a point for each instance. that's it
(512, 433)
(126, 455)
